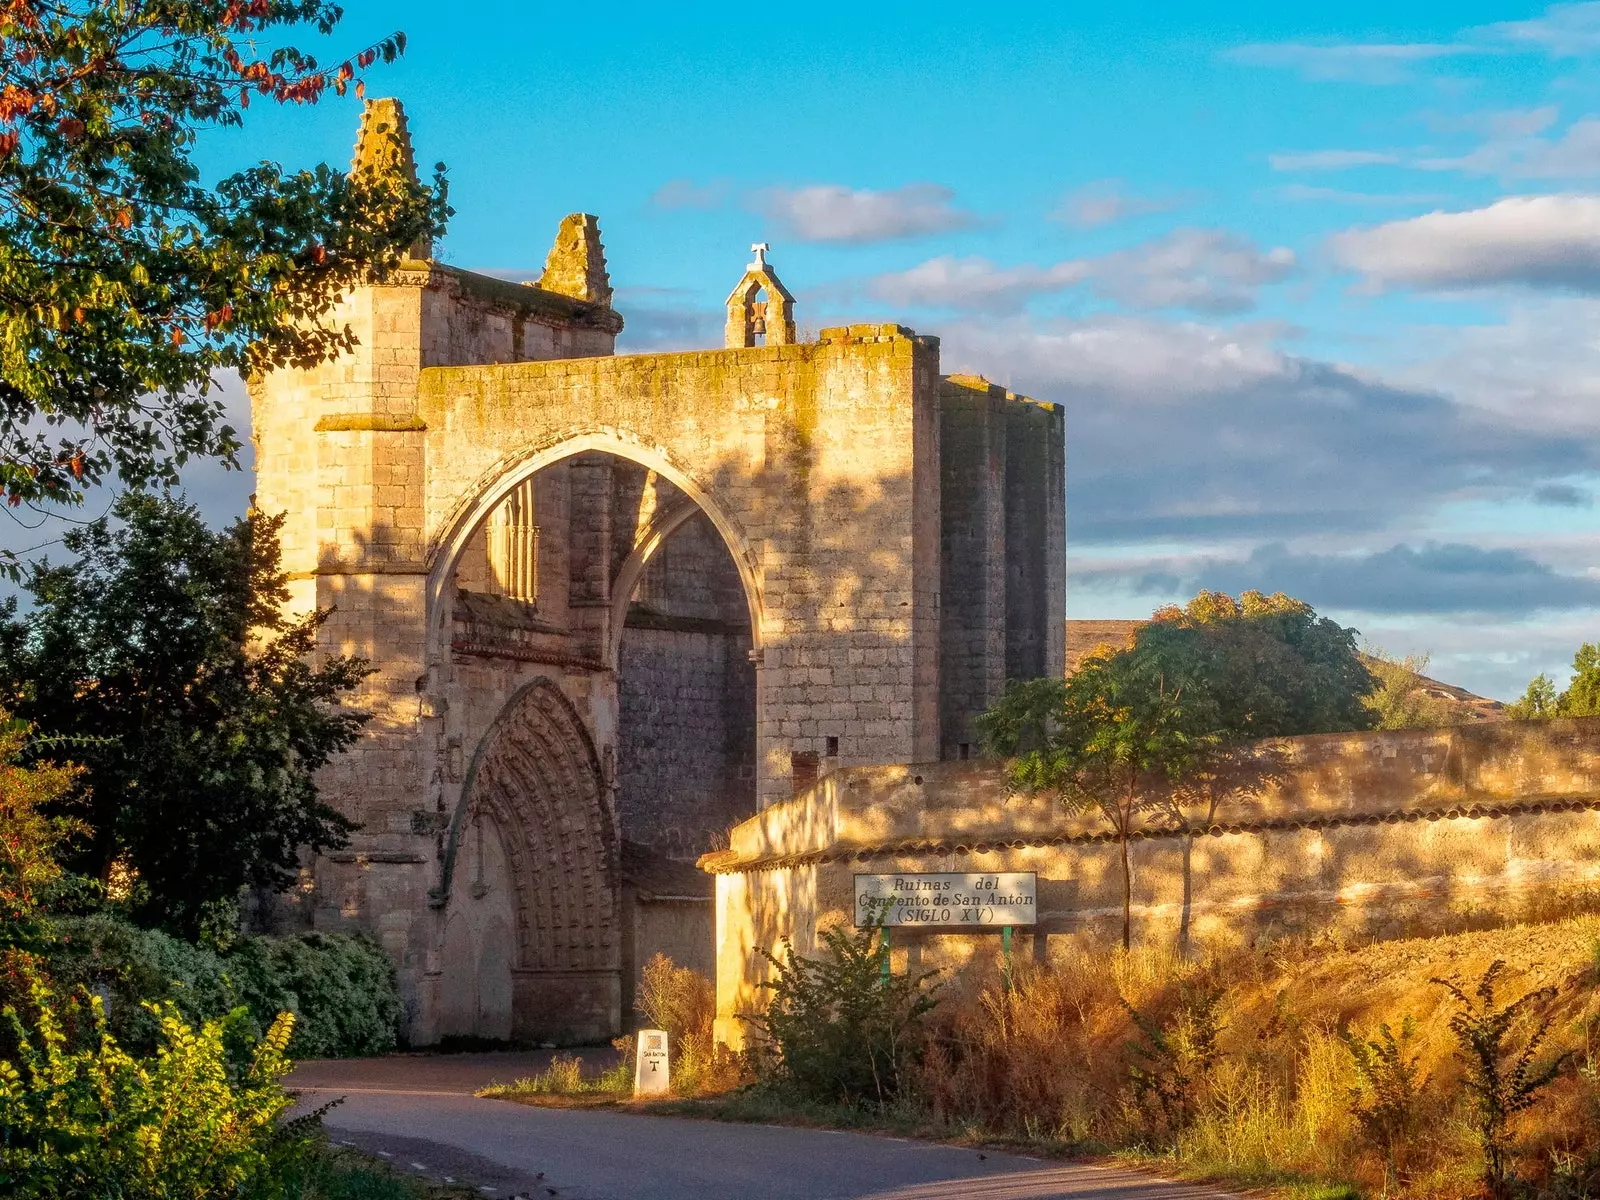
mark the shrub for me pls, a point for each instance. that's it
(1172, 1060)
(844, 1030)
(340, 988)
(1387, 1104)
(1501, 1079)
(190, 1120)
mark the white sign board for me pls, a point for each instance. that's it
(948, 900)
(650, 1077)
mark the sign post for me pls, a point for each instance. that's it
(651, 1072)
(948, 901)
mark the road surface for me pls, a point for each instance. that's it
(420, 1114)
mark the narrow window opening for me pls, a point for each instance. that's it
(833, 747)
(514, 547)
(803, 770)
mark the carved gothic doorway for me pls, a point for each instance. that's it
(531, 941)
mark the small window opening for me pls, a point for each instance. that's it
(833, 747)
(803, 770)
(513, 543)
(964, 751)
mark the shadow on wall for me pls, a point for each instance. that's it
(1365, 836)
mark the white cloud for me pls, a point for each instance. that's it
(1205, 270)
(1108, 201)
(1330, 160)
(1346, 62)
(686, 193)
(974, 283)
(1300, 193)
(834, 213)
(1192, 432)
(1538, 367)
(1563, 30)
(1574, 155)
(1536, 241)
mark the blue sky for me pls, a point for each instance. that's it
(1318, 288)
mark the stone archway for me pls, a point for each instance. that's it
(535, 791)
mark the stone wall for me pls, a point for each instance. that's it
(686, 752)
(1369, 834)
(1003, 543)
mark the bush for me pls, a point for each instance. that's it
(843, 1029)
(1501, 1079)
(192, 1120)
(1388, 1102)
(340, 988)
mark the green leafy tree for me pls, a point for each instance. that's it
(1119, 728)
(127, 284)
(1401, 699)
(1159, 731)
(1539, 701)
(1580, 699)
(202, 716)
(1272, 666)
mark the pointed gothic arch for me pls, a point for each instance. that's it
(536, 776)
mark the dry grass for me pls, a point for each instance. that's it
(1050, 1058)
(676, 999)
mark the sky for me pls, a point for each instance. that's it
(1319, 287)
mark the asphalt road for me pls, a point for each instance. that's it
(419, 1113)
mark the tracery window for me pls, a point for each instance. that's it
(514, 547)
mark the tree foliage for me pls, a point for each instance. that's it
(1580, 699)
(202, 720)
(127, 283)
(1158, 728)
(1401, 699)
(31, 836)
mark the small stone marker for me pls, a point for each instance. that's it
(650, 1072)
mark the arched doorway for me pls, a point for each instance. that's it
(598, 630)
(532, 899)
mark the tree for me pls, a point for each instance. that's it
(126, 284)
(1580, 699)
(1273, 667)
(1538, 701)
(1161, 730)
(1401, 700)
(1117, 728)
(164, 648)
(31, 837)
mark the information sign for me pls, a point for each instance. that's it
(948, 900)
(650, 1072)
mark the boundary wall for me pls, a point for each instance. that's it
(1359, 835)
